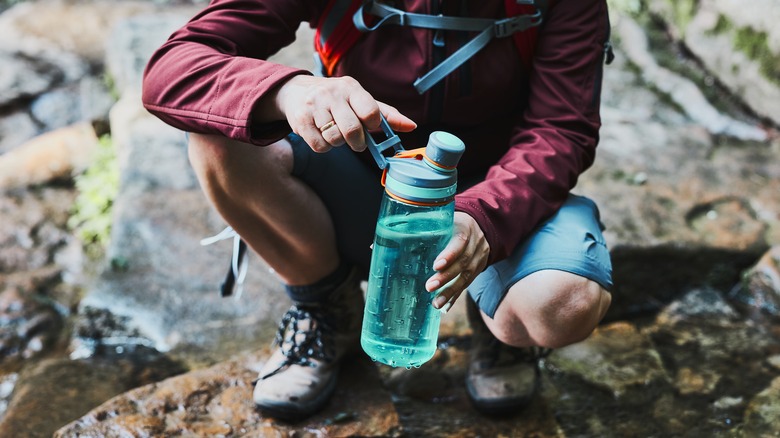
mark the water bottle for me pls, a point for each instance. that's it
(400, 326)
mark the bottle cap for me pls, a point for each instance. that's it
(444, 149)
(430, 179)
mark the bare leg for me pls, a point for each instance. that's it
(277, 215)
(549, 309)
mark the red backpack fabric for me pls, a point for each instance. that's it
(336, 32)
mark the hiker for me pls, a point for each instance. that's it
(280, 153)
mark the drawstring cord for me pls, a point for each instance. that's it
(234, 280)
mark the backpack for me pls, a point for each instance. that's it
(342, 24)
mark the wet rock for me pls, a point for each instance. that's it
(762, 416)
(704, 321)
(55, 392)
(7, 384)
(617, 358)
(32, 228)
(218, 400)
(758, 294)
(710, 349)
(29, 322)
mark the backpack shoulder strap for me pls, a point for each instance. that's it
(335, 34)
(341, 25)
(525, 41)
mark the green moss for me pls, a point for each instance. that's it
(722, 26)
(755, 45)
(97, 187)
(684, 11)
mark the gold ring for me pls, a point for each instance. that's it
(327, 126)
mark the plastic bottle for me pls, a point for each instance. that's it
(400, 326)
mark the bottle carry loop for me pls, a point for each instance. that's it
(376, 150)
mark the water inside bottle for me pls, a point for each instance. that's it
(400, 325)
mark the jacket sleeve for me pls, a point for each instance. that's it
(209, 75)
(554, 140)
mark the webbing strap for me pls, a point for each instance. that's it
(487, 28)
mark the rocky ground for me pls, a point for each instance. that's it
(138, 342)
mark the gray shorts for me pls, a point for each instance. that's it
(571, 240)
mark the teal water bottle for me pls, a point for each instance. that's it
(400, 326)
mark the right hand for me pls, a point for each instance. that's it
(310, 103)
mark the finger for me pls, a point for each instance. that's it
(366, 109)
(303, 124)
(454, 249)
(349, 126)
(444, 302)
(396, 120)
(313, 137)
(331, 133)
(322, 119)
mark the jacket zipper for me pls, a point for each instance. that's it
(607, 55)
(464, 72)
(438, 53)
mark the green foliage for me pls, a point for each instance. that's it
(97, 187)
(755, 45)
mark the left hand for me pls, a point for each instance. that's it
(464, 257)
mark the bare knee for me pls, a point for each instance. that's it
(550, 309)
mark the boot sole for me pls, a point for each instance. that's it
(500, 407)
(294, 412)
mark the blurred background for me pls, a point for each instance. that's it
(111, 323)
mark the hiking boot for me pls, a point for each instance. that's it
(501, 379)
(300, 376)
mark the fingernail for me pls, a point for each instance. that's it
(446, 307)
(438, 264)
(439, 301)
(432, 285)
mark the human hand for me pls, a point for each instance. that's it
(464, 257)
(328, 112)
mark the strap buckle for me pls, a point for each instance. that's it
(508, 26)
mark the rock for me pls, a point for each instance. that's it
(32, 228)
(16, 128)
(58, 26)
(740, 46)
(762, 416)
(28, 323)
(681, 90)
(132, 42)
(23, 78)
(55, 155)
(218, 401)
(758, 294)
(55, 392)
(616, 357)
(88, 100)
(690, 222)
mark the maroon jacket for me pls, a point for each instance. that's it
(534, 133)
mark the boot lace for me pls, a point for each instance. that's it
(302, 345)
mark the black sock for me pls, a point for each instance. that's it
(319, 291)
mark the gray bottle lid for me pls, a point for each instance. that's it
(421, 180)
(444, 149)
